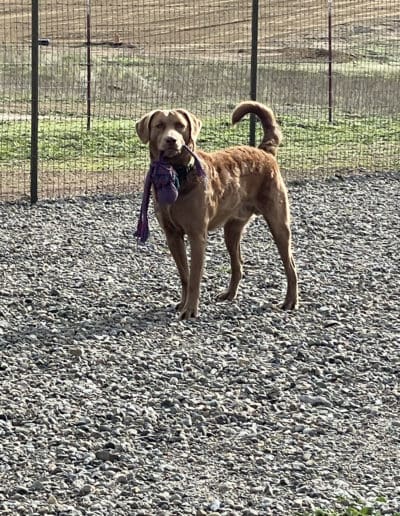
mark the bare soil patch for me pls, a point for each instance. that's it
(207, 23)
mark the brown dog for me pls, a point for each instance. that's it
(241, 181)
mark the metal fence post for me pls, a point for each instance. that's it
(330, 63)
(34, 101)
(88, 66)
(253, 68)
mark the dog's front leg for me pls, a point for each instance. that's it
(176, 246)
(197, 252)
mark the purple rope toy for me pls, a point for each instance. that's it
(166, 184)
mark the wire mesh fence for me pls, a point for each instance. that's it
(329, 69)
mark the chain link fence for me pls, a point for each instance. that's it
(329, 69)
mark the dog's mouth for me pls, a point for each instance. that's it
(171, 150)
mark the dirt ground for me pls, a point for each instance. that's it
(200, 24)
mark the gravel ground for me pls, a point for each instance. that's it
(111, 406)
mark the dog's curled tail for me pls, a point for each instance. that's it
(272, 133)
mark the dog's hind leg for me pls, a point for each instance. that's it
(276, 213)
(233, 230)
(177, 248)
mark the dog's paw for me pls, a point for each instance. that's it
(188, 313)
(226, 295)
(290, 304)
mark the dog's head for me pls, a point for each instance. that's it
(167, 131)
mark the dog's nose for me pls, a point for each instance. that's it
(170, 140)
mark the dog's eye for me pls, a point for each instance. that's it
(179, 126)
(160, 125)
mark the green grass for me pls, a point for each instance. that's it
(318, 147)
(67, 145)
(355, 509)
(309, 147)
(351, 511)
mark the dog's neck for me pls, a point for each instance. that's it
(183, 164)
(183, 171)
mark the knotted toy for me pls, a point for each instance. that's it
(165, 181)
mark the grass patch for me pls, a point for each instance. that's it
(357, 508)
(316, 146)
(309, 147)
(352, 511)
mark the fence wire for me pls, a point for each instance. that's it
(329, 69)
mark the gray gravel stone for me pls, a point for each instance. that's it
(110, 405)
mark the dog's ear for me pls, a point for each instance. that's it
(194, 124)
(143, 126)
